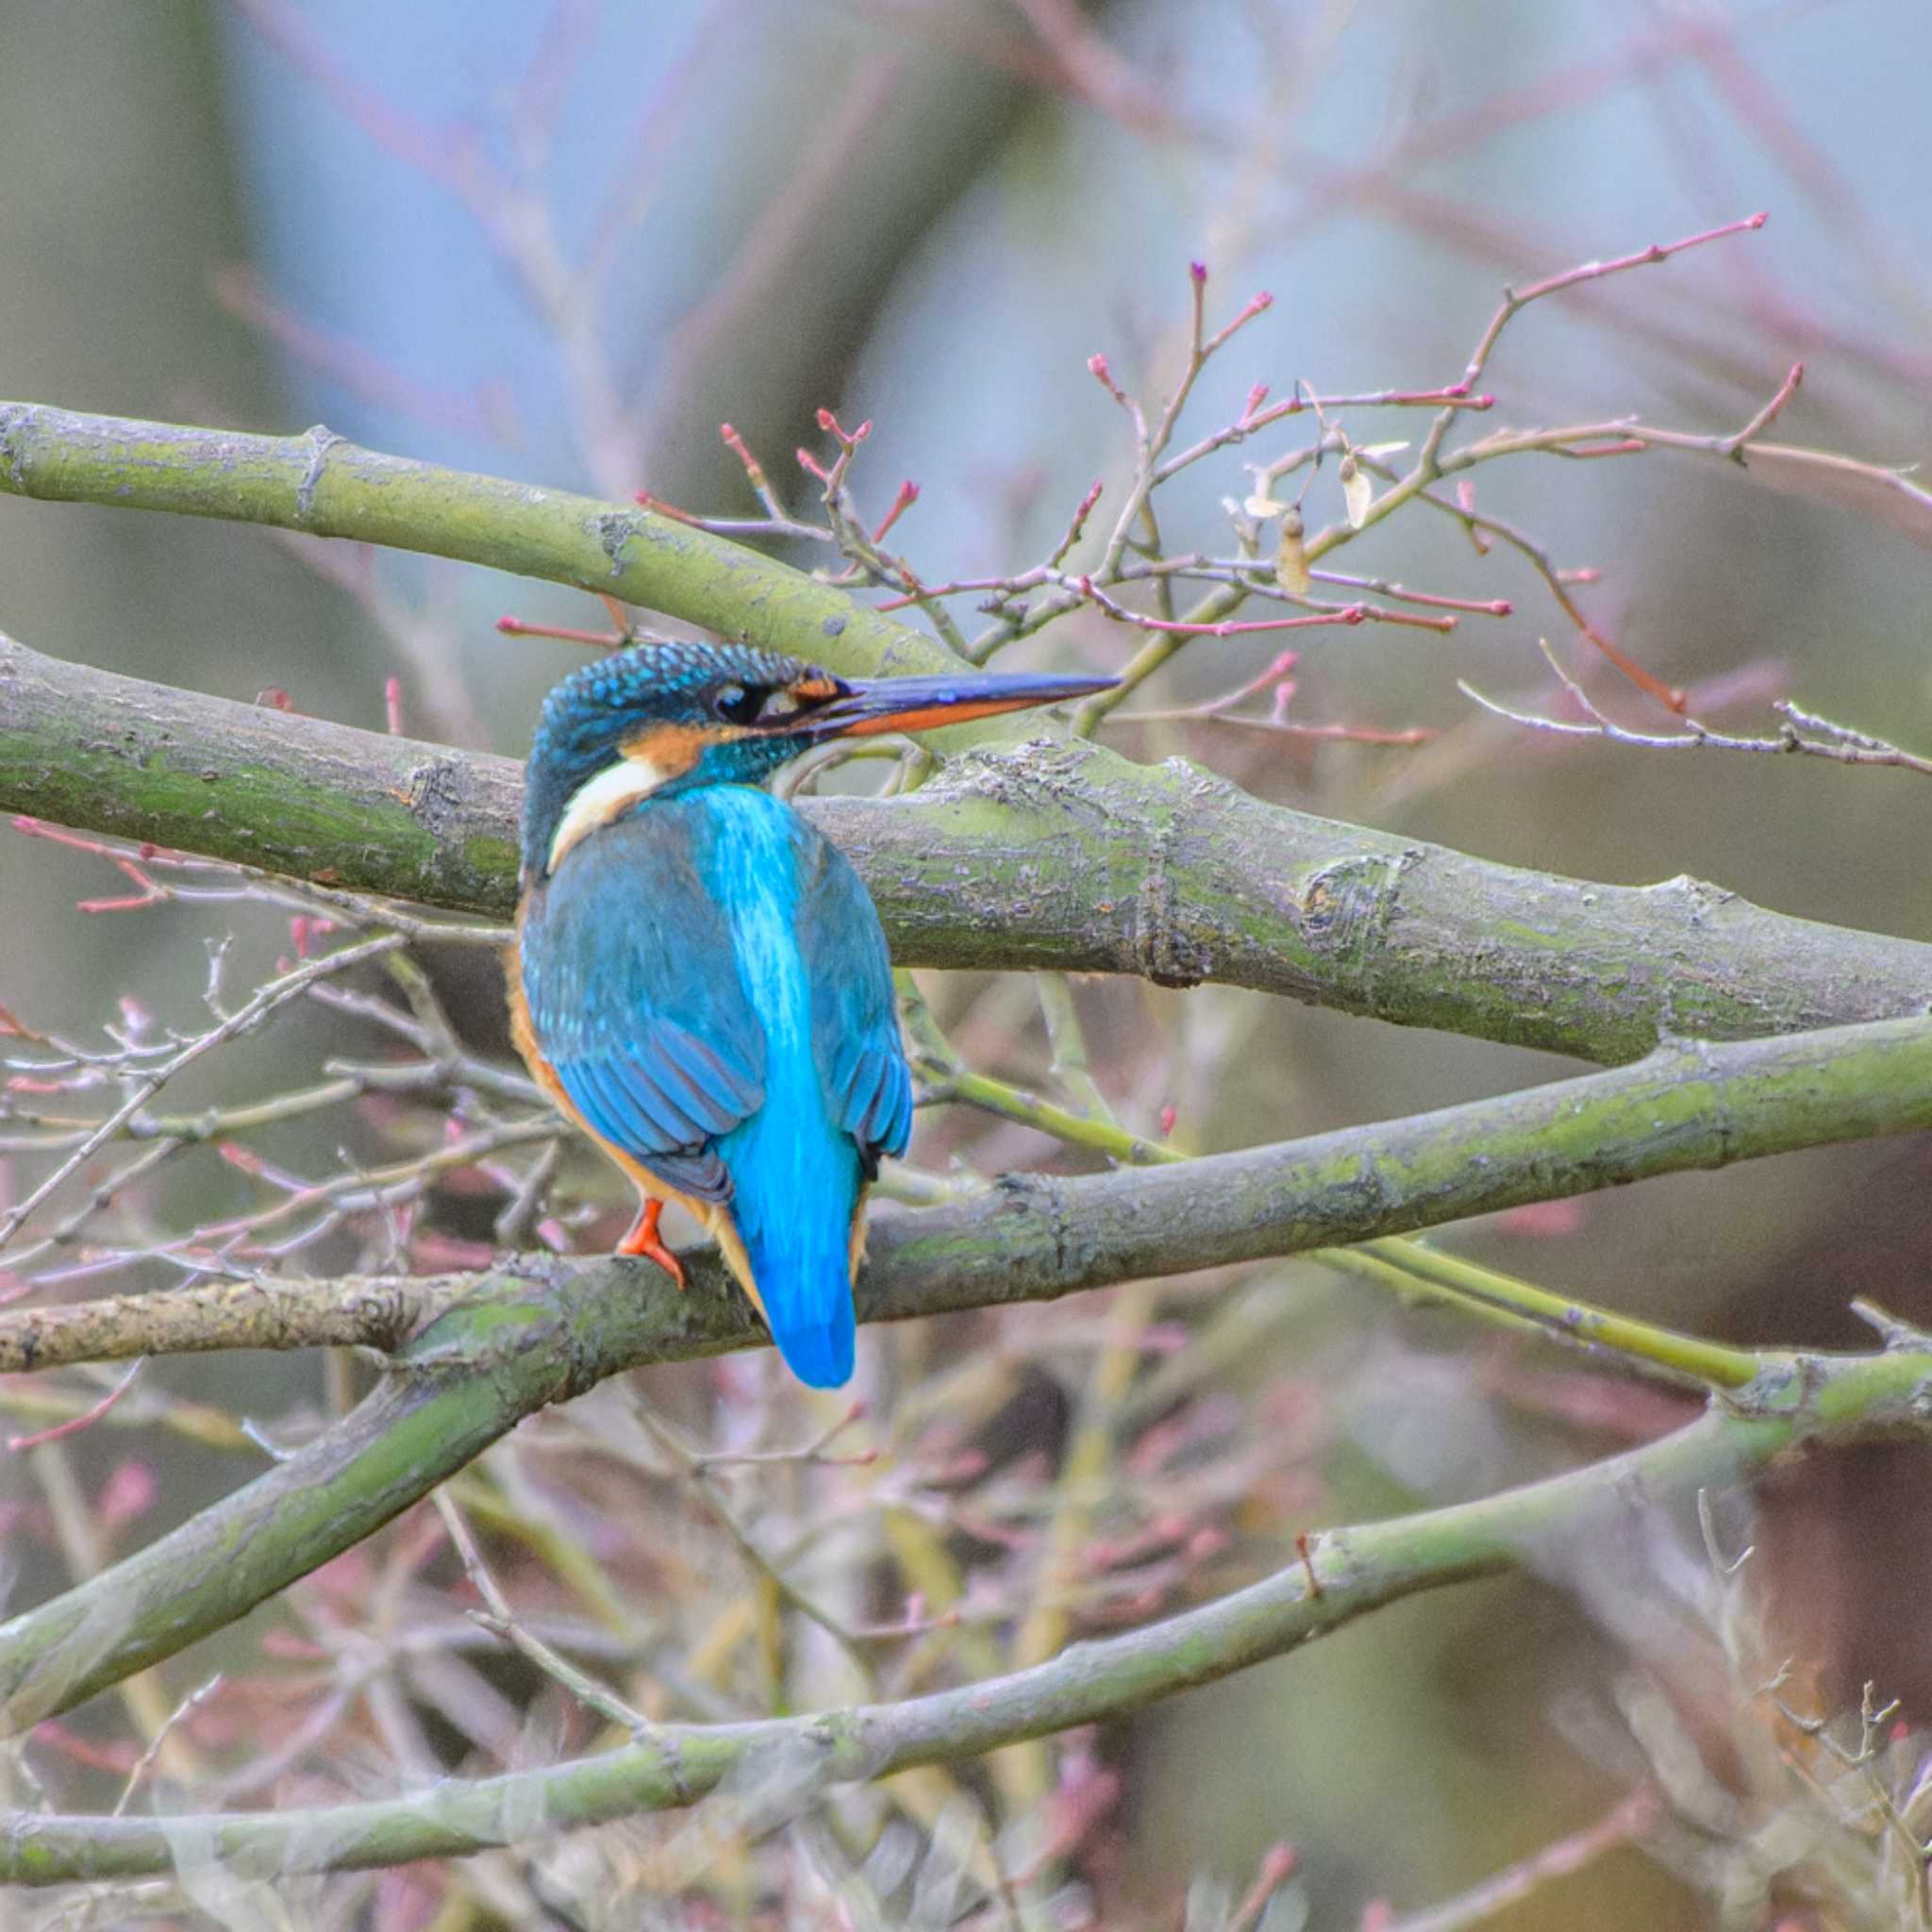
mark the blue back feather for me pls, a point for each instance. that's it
(709, 979)
(793, 1166)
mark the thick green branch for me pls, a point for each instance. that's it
(540, 1330)
(1356, 1570)
(1180, 876)
(1061, 856)
(325, 486)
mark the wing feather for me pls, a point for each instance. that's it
(603, 983)
(855, 1017)
(602, 977)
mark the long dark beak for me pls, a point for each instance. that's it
(924, 704)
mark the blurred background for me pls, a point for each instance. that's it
(564, 243)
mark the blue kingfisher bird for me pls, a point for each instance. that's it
(699, 980)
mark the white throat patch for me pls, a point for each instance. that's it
(600, 799)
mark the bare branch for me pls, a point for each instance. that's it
(1841, 744)
(487, 1350)
(1361, 1570)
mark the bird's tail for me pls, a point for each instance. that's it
(804, 1283)
(796, 1188)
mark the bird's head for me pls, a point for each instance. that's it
(661, 718)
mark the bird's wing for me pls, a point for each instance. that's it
(604, 968)
(855, 1022)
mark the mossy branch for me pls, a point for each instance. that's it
(1348, 1574)
(325, 486)
(490, 1349)
(1180, 877)
(1061, 856)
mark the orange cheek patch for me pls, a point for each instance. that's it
(671, 750)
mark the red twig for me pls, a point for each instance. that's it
(148, 893)
(741, 450)
(1766, 416)
(1406, 735)
(146, 852)
(847, 439)
(1515, 299)
(1476, 606)
(1258, 305)
(1351, 614)
(1305, 1551)
(1284, 666)
(1081, 512)
(1669, 696)
(660, 507)
(1377, 613)
(907, 496)
(75, 1423)
(1099, 369)
(1278, 1868)
(1479, 538)
(517, 627)
(1253, 417)
(1583, 452)
(753, 470)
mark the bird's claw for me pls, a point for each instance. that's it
(642, 1240)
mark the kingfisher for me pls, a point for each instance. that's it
(699, 979)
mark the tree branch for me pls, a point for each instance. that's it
(1182, 877)
(788, 1762)
(1168, 872)
(490, 1349)
(326, 485)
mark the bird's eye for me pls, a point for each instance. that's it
(738, 704)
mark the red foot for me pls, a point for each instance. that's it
(643, 1240)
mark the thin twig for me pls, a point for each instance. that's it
(150, 1757)
(501, 1621)
(276, 993)
(1841, 744)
